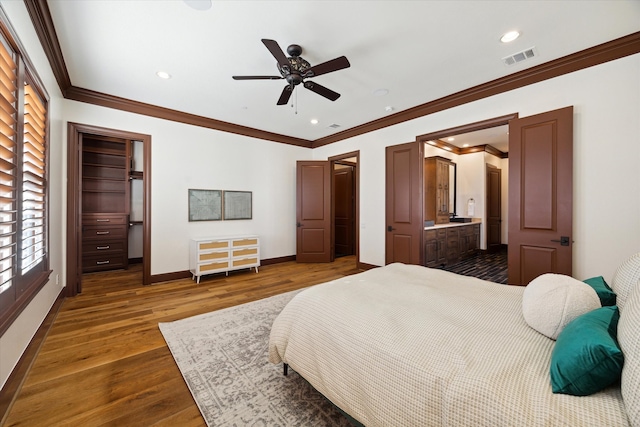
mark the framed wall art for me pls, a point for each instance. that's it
(205, 205)
(237, 205)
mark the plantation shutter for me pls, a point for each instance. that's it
(33, 181)
(8, 179)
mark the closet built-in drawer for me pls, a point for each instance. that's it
(101, 219)
(103, 262)
(93, 232)
(102, 247)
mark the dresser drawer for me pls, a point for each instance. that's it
(102, 232)
(244, 242)
(209, 256)
(245, 262)
(214, 244)
(244, 252)
(212, 267)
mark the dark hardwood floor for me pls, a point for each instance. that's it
(105, 361)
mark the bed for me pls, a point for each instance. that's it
(406, 345)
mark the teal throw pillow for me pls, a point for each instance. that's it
(605, 293)
(587, 357)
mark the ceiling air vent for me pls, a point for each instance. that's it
(334, 126)
(520, 56)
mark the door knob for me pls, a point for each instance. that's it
(564, 241)
(390, 228)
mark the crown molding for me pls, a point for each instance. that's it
(609, 51)
(105, 100)
(43, 24)
(605, 52)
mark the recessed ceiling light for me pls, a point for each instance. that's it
(163, 75)
(509, 36)
(388, 108)
(198, 4)
(314, 121)
(451, 139)
(380, 92)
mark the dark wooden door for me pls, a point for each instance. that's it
(313, 211)
(540, 195)
(344, 209)
(494, 209)
(404, 203)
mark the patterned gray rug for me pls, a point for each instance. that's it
(222, 356)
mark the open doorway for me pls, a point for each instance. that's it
(345, 204)
(344, 207)
(479, 151)
(318, 220)
(98, 200)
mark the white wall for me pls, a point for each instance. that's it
(606, 178)
(184, 157)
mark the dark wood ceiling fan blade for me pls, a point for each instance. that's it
(321, 90)
(327, 67)
(285, 95)
(257, 77)
(277, 53)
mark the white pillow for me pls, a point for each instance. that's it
(550, 301)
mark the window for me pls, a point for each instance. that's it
(24, 261)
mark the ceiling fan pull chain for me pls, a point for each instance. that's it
(296, 102)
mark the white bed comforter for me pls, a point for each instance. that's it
(405, 345)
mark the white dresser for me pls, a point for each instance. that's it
(217, 254)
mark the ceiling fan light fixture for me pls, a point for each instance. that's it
(163, 75)
(509, 36)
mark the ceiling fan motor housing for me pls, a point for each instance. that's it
(297, 66)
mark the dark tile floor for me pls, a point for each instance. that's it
(486, 266)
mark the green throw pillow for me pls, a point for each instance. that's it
(587, 357)
(605, 293)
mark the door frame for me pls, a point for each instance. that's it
(332, 161)
(466, 128)
(74, 200)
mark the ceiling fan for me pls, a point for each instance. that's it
(295, 70)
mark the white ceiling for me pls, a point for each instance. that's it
(418, 50)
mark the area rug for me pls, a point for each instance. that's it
(223, 357)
